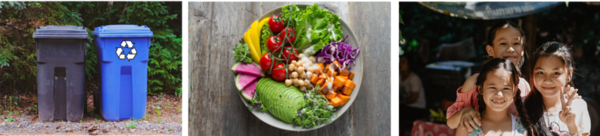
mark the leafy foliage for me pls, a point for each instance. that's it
(18, 21)
(242, 53)
(17, 47)
(15, 4)
(315, 110)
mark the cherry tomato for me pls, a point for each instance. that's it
(287, 52)
(279, 72)
(266, 62)
(274, 44)
(275, 24)
(290, 33)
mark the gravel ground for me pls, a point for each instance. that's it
(163, 117)
(23, 126)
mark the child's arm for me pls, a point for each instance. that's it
(466, 118)
(464, 99)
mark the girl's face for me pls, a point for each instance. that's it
(550, 75)
(498, 90)
(508, 44)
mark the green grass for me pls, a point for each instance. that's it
(158, 120)
(131, 125)
(157, 110)
(9, 119)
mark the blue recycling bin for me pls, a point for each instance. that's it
(123, 57)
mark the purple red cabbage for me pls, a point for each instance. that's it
(343, 53)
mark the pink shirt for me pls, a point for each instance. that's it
(469, 99)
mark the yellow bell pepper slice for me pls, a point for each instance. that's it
(255, 55)
(254, 36)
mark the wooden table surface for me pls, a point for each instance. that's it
(215, 106)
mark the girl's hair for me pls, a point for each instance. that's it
(492, 35)
(506, 65)
(535, 102)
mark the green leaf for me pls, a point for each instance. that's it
(399, 18)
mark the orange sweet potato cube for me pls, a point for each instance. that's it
(314, 79)
(348, 87)
(331, 94)
(321, 82)
(336, 65)
(351, 76)
(335, 102)
(322, 76)
(331, 73)
(344, 98)
(320, 91)
(336, 88)
(339, 81)
(320, 69)
(344, 72)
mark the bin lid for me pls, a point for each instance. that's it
(123, 31)
(61, 32)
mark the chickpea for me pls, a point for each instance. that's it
(312, 58)
(300, 82)
(308, 64)
(309, 74)
(302, 75)
(306, 82)
(300, 69)
(294, 74)
(301, 56)
(309, 69)
(292, 67)
(302, 88)
(294, 62)
(288, 82)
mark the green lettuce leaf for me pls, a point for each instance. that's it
(265, 34)
(315, 27)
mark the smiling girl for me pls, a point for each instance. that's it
(497, 90)
(505, 40)
(549, 110)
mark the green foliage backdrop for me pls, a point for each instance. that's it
(18, 21)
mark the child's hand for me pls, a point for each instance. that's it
(570, 91)
(469, 118)
(567, 115)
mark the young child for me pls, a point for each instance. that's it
(549, 111)
(497, 90)
(505, 40)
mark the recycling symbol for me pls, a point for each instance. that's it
(130, 55)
